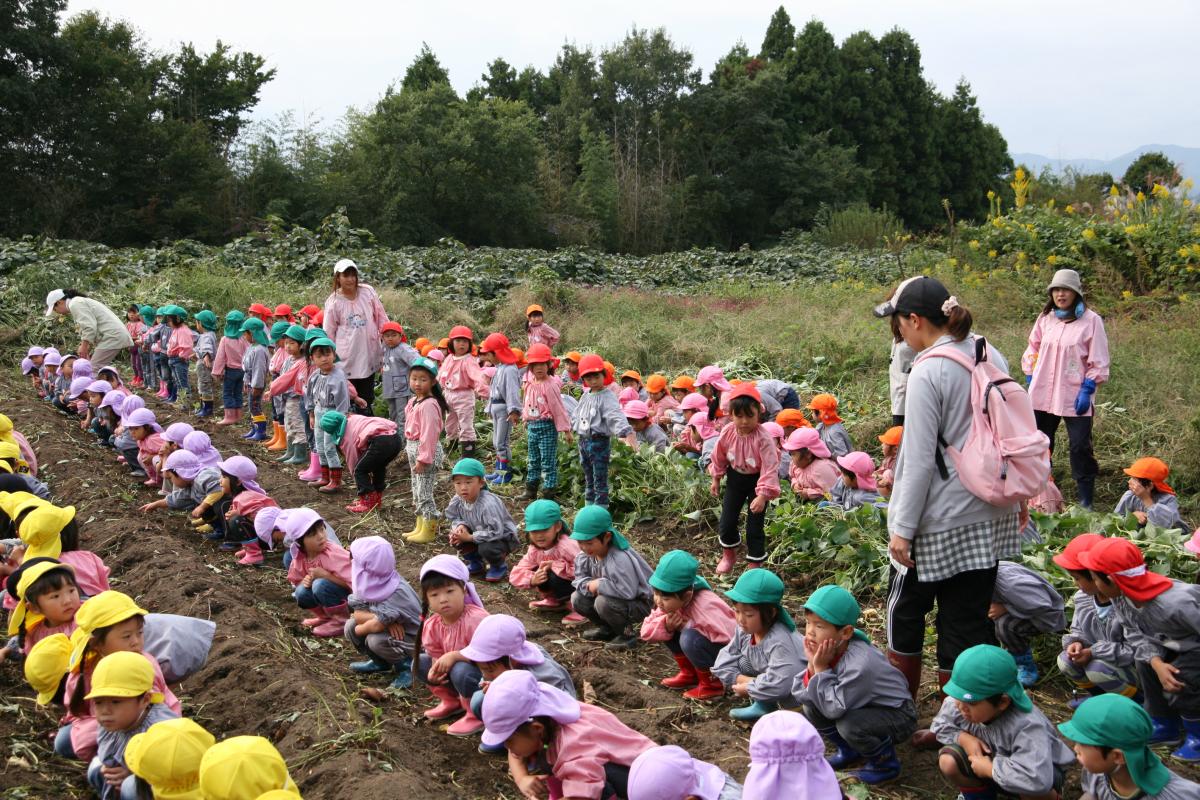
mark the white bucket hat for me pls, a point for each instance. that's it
(1067, 279)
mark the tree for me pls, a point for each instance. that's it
(425, 71)
(971, 154)
(780, 38)
(1149, 169)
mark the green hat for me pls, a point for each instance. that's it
(176, 311)
(147, 314)
(541, 515)
(315, 333)
(676, 572)
(233, 324)
(162, 311)
(1112, 720)
(985, 671)
(593, 521)
(427, 364)
(279, 329)
(208, 319)
(837, 607)
(470, 467)
(333, 423)
(257, 330)
(760, 585)
(297, 333)
(324, 341)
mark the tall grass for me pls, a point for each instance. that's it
(857, 225)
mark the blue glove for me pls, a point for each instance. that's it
(1028, 380)
(1083, 401)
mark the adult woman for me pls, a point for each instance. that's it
(1066, 360)
(944, 541)
(353, 317)
(102, 334)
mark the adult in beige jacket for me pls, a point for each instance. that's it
(102, 335)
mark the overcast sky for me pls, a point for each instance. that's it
(1063, 78)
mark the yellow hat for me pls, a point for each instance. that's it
(9, 450)
(167, 756)
(46, 666)
(6, 429)
(123, 674)
(4, 467)
(279, 794)
(103, 610)
(22, 613)
(242, 768)
(14, 503)
(41, 529)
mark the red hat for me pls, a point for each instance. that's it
(393, 327)
(1069, 557)
(310, 310)
(259, 310)
(497, 344)
(745, 390)
(283, 310)
(461, 332)
(1123, 562)
(540, 354)
(591, 363)
(319, 318)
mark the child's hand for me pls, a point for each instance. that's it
(422, 468)
(981, 765)
(149, 507)
(360, 402)
(741, 689)
(820, 656)
(594, 586)
(1166, 675)
(319, 572)
(758, 504)
(570, 438)
(441, 668)
(1141, 517)
(396, 631)
(307, 581)
(198, 511)
(532, 786)
(996, 611)
(514, 417)
(114, 776)
(674, 621)
(973, 745)
(1078, 653)
(715, 488)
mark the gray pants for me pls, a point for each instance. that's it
(205, 385)
(396, 406)
(869, 728)
(327, 449)
(501, 431)
(1015, 634)
(423, 483)
(611, 612)
(380, 646)
(105, 356)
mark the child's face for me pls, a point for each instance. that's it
(139, 432)
(226, 484)
(37, 360)
(491, 669)
(594, 381)
(749, 618)
(314, 541)
(706, 391)
(468, 487)
(291, 347)
(390, 338)
(638, 425)
(168, 448)
(460, 346)
(535, 318)
(539, 370)
(802, 457)
(1083, 582)
(51, 370)
(1095, 762)
(323, 359)
(545, 538)
(420, 381)
(817, 630)
(120, 713)
(890, 450)
(447, 601)
(489, 358)
(131, 315)
(849, 478)
(277, 537)
(746, 424)
(177, 481)
(526, 741)
(1105, 590)
(671, 603)
(302, 319)
(981, 712)
(656, 396)
(68, 369)
(248, 336)
(679, 394)
(627, 383)
(58, 606)
(596, 547)
(124, 637)
(95, 399)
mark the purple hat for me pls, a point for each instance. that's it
(52, 351)
(130, 403)
(142, 416)
(176, 432)
(373, 576)
(201, 446)
(27, 366)
(713, 376)
(183, 464)
(787, 759)
(298, 523)
(265, 523)
(500, 635)
(451, 567)
(113, 399)
(82, 367)
(100, 387)
(36, 351)
(78, 387)
(52, 360)
(243, 469)
(807, 439)
(516, 697)
(669, 773)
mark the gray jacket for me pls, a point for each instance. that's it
(775, 662)
(623, 574)
(1027, 595)
(487, 518)
(862, 677)
(1104, 635)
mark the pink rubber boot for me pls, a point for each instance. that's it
(448, 705)
(469, 725)
(336, 624)
(313, 472)
(253, 555)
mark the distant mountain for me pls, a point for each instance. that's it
(1188, 159)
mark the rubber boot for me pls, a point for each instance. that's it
(318, 616)
(686, 678)
(1027, 671)
(404, 676)
(365, 503)
(286, 458)
(469, 724)
(474, 562)
(427, 533)
(206, 409)
(253, 555)
(416, 531)
(550, 494)
(259, 432)
(448, 705)
(232, 416)
(321, 481)
(843, 754)
(314, 469)
(163, 391)
(336, 624)
(279, 443)
(468, 449)
(881, 766)
(548, 603)
(531, 491)
(728, 559)
(335, 481)
(273, 436)
(708, 687)
(1085, 489)
(1190, 749)
(502, 475)
(924, 738)
(299, 453)
(750, 713)
(1166, 730)
(494, 475)
(496, 572)
(371, 666)
(910, 668)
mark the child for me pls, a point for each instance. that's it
(126, 705)
(692, 621)
(180, 347)
(162, 344)
(50, 365)
(136, 328)
(10, 461)
(777, 395)
(670, 773)
(197, 491)
(328, 389)
(423, 422)
(545, 418)
(1111, 736)
(306, 315)
(637, 414)
(504, 400)
(173, 437)
(747, 458)
(243, 767)
(461, 379)
(307, 403)
(385, 612)
(146, 351)
(283, 313)
(686, 443)
(206, 354)
(571, 360)
(786, 760)
(549, 564)
(812, 473)
(47, 600)
(398, 356)
(536, 329)
(146, 431)
(857, 700)
(452, 611)
(255, 363)
(856, 486)
(200, 445)
(320, 571)
(555, 742)
(885, 476)
(1162, 619)
(776, 432)
(1149, 498)
(597, 419)
(166, 758)
(49, 530)
(632, 379)
(123, 440)
(992, 735)
(612, 586)
(703, 436)
(481, 528)
(711, 384)
(1024, 604)
(245, 500)
(45, 668)
(765, 655)
(369, 445)
(659, 403)
(227, 367)
(1096, 656)
(288, 389)
(829, 424)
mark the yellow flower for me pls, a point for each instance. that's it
(992, 254)
(1113, 191)
(1126, 294)
(1089, 234)
(1187, 202)
(1183, 298)
(1160, 191)
(991, 195)
(973, 244)
(1052, 260)
(1070, 209)
(1141, 196)
(1021, 255)
(1184, 252)
(952, 262)
(1187, 184)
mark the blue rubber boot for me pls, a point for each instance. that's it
(370, 666)
(404, 676)
(1027, 671)
(881, 766)
(496, 573)
(502, 475)
(1165, 731)
(259, 432)
(759, 708)
(843, 754)
(494, 475)
(1190, 749)
(475, 565)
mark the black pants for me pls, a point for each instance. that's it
(1084, 468)
(366, 390)
(1185, 703)
(962, 612)
(493, 553)
(239, 529)
(555, 586)
(370, 473)
(740, 491)
(897, 419)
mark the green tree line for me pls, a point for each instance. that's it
(631, 148)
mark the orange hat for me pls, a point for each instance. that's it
(534, 309)
(520, 354)
(892, 436)
(1069, 557)
(1121, 560)
(419, 343)
(745, 390)
(656, 383)
(792, 418)
(497, 344)
(460, 332)
(631, 373)
(684, 382)
(574, 355)
(426, 348)
(591, 363)
(826, 406)
(444, 344)
(540, 354)
(1151, 469)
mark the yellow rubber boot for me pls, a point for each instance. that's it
(428, 531)
(418, 527)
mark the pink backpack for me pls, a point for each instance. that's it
(1005, 459)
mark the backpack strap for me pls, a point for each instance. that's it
(964, 362)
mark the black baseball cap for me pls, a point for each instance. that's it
(920, 295)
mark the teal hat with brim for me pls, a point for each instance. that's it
(677, 571)
(760, 586)
(427, 364)
(333, 423)
(836, 606)
(279, 329)
(985, 671)
(162, 311)
(257, 330)
(1113, 720)
(540, 515)
(593, 521)
(296, 333)
(233, 324)
(315, 333)
(207, 319)
(324, 341)
(147, 314)
(468, 467)
(176, 311)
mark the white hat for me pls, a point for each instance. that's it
(344, 264)
(1067, 279)
(52, 298)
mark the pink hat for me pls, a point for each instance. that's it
(176, 432)
(100, 387)
(113, 399)
(787, 759)
(81, 368)
(807, 439)
(142, 416)
(201, 446)
(266, 521)
(636, 409)
(694, 401)
(862, 466)
(373, 576)
(131, 403)
(452, 567)
(243, 469)
(436, 355)
(669, 773)
(27, 366)
(715, 377)
(627, 395)
(78, 386)
(298, 523)
(500, 635)
(773, 428)
(516, 697)
(700, 422)
(183, 464)
(36, 351)
(1192, 545)
(52, 359)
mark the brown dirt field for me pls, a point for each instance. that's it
(266, 675)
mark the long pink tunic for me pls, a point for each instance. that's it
(181, 342)
(438, 638)
(459, 373)
(561, 558)
(581, 749)
(1060, 356)
(543, 400)
(423, 423)
(815, 480)
(542, 334)
(334, 558)
(354, 325)
(359, 432)
(755, 452)
(247, 503)
(660, 408)
(229, 354)
(707, 614)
